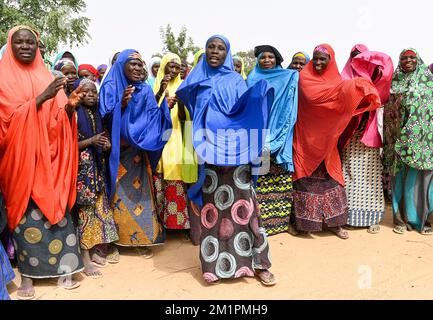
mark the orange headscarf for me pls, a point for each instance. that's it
(326, 106)
(38, 148)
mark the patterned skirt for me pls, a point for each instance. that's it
(134, 207)
(96, 223)
(274, 195)
(362, 168)
(171, 203)
(319, 200)
(412, 198)
(233, 242)
(45, 250)
(6, 274)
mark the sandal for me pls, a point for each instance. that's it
(113, 256)
(374, 229)
(400, 229)
(266, 277)
(68, 284)
(339, 232)
(427, 231)
(26, 290)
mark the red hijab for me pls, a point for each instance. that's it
(326, 105)
(89, 68)
(38, 148)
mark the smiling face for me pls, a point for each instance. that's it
(408, 62)
(24, 46)
(320, 61)
(134, 70)
(90, 97)
(216, 52)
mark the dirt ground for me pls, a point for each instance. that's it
(321, 266)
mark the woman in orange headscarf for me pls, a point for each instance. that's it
(38, 162)
(326, 106)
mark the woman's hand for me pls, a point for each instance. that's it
(51, 91)
(100, 140)
(127, 95)
(74, 100)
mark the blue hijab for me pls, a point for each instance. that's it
(143, 125)
(218, 99)
(284, 110)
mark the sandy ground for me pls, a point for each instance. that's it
(321, 266)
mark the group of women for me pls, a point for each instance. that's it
(95, 158)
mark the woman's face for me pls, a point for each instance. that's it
(70, 74)
(238, 66)
(86, 74)
(216, 52)
(90, 97)
(134, 70)
(155, 68)
(102, 73)
(298, 63)
(267, 60)
(113, 61)
(24, 46)
(320, 61)
(183, 68)
(408, 63)
(173, 69)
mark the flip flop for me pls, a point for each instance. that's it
(26, 298)
(400, 229)
(266, 278)
(427, 231)
(71, 287)
(374, 229)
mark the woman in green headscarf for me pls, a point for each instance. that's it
(408, 150)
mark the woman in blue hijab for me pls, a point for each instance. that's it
(228, 125)
(274, 190)
(139, 130)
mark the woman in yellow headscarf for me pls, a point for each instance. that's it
(178, 164)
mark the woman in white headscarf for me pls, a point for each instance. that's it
(154, 64)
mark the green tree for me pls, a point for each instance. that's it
(181, 45)
(249, 59)
(58, 21)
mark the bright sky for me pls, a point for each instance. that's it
(386, 25)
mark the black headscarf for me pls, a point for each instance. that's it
(266, 48)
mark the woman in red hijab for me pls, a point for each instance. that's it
(361, 142)
(326, 106)
(38, 163)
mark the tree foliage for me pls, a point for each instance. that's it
(181, 45)
(58, 21)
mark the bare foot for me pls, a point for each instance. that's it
(266, 277)
(339, 232)
(90, 269)
(26, 291)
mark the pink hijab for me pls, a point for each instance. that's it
(364, 66)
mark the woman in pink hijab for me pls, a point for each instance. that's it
(361, 142)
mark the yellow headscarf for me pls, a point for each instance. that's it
(178, 161)
(197, 56)
(243, 66)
